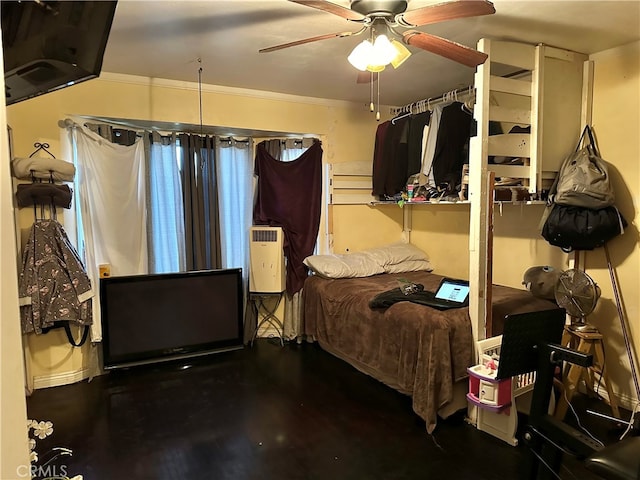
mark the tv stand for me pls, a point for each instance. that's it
(267, 303)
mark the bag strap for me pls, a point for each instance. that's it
(592, 146)
(72, 341)
(554, 186)
(592, 140)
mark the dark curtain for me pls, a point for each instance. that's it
(120, 136)
(289, 195)
(200, 193)
(273, 148)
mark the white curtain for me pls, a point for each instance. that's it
(235, 190)
(166, 210)
(110, 206)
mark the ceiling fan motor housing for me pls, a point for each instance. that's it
(379, 8)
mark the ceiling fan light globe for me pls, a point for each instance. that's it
(402, 53)
(361, 55)
(385, 52)
(375, 68)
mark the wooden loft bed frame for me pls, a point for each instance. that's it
(549, 92)
(551, 96)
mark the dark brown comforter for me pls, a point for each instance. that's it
(415, 349)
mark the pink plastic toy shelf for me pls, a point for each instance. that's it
(488, 393)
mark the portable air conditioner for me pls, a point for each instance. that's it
(267, 271)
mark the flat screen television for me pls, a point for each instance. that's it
(162, 317)
(48, 45)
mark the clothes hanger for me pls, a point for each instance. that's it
(403, 115)
(468, 104)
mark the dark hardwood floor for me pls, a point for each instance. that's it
(266, 412)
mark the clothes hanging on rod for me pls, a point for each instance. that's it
(452, 147)
(406, 144)
(390, 159)
(430, 144)
(417, 124)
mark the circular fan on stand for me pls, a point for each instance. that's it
(578, 294)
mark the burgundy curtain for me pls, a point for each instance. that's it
(289, 196)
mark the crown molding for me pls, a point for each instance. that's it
(224, 90)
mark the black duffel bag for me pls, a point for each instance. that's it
(579, 228)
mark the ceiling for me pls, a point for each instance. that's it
(165, 39)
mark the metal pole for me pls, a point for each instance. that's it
(623, 323)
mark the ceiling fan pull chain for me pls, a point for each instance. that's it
(200, 91)
(378, 112)
(371, 106)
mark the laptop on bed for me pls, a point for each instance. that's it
(451, 293)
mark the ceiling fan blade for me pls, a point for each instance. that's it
(446, 48)
(308, 40)
(332, 8)
(446, 11)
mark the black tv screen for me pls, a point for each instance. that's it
(160, 317)
(48, 45)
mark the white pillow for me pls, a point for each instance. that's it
(343, 266)
(396, 253)
(409, 266)
(395, 258)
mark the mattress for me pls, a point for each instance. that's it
(413, 348)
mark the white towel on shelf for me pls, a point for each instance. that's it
(43, 168)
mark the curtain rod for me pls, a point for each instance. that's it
(425, 104)
(172, 127)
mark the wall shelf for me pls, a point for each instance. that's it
(461, 202)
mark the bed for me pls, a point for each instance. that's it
(417, 350)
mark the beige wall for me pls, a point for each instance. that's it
(616, 121)
(347, 131)
(14, 450)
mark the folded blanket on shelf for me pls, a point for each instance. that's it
(44, 168)
(29, 194)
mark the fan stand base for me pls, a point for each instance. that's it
(582, 327)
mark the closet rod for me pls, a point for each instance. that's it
(424, 104)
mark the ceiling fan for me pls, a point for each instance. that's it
(385, 16)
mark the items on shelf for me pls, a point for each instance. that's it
(54, 288)
(43, 172)
(420, 138)
(44, 168)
